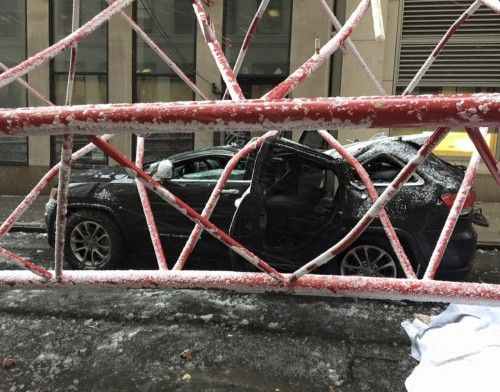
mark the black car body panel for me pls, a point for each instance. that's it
(300, 202)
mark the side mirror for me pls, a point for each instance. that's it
(165, 170)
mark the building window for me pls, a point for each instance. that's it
(91, 80)
(269, 52)
(469, 59)
(13, 150)
(467, 64)
(171, 24)
(267, 61)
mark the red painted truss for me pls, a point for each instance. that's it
(271, 113)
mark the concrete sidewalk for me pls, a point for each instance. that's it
(32, 220)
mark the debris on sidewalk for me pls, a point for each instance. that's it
(458, 350)
(7, 363)
(186, 354)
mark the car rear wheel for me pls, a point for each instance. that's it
(366, 259)
(93, 241)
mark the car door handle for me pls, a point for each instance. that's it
(231, 191)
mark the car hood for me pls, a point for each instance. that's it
(101, 174)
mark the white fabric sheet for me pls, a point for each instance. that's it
(458, 351)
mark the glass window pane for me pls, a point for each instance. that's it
(163, 89)
(91, 82)
(88, 89)
(13, 150)
(269, 51)
(171, 24)
(92, 51)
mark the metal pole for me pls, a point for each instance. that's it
(217, 52)
(476, 110)
(311, 285)
(148, 212)
(32, 267)
(66, 152)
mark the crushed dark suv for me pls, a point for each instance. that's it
(293, 201)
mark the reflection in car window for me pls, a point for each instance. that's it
(206, 168)
(383, 170)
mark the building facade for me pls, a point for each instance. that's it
(115, 65)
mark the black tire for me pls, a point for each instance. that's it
(93, 241)
(369, 256)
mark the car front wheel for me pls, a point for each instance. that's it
(93, 241)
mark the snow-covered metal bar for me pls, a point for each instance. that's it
(378, 20)
(32, 267)
(161, 54)
(439, 47)
(372, 193)
(218, 54)
(456, 209)
(183, 208)
(377, 207)
(256, 115)
(146, 207)
(314, 285)
(52, 51)
(486, 154)
(215, 195)
(353, 50)
(66, 152)
(306, 69)
(493, 4)
(248, 38)
(27, 86)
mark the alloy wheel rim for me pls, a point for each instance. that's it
(90, 244)
(368, 260)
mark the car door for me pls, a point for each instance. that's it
(193, 182)
(294, 208)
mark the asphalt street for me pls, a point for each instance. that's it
(156, 340)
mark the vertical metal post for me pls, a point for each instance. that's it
(146, 206)
(66, 152)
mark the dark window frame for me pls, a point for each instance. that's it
(53, 74)
(24, 162)
(136, 75)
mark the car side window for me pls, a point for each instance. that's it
(384, 169)
(206, 168)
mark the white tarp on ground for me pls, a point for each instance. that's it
(459, 350)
